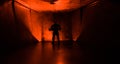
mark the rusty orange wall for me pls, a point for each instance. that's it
(39, 22)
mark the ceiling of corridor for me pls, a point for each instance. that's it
(60, 5)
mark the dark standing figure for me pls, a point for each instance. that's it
(55, 28)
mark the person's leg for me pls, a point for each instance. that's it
(53, 38)
(58, 38)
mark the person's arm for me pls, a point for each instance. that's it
(51, 28)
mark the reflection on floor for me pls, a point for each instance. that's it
(56, 54)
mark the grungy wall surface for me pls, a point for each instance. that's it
(98, 19)
(39, 22)
(33, 25)
(93, 24)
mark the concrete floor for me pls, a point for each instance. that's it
(46, 53)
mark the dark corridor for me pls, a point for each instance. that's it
(87, 36)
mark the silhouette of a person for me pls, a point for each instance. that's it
(55, 28)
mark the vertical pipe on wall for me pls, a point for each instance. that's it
(15, 18)
(13, 9)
